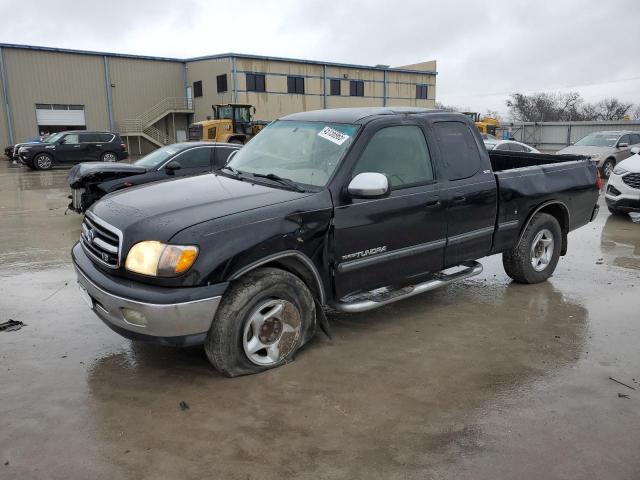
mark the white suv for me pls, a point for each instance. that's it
(623, 188)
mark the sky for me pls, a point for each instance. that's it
(484, 50)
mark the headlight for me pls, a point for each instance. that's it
(620, 171)
(24, 149)
(595, 156)
(160, 260)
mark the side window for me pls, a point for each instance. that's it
(88, 137)
(518, 148)
(71, 139)
(503, 147)
(460, 153)
(624, 139)
(221, 156)
(400, 153)
(105, 137)
(635, 138)
(195, 158)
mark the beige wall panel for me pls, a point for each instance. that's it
(53, 77)
(4, 128)
(141, 84)
(207, 71)
(272, 106)
(286, 68)
(349, 102)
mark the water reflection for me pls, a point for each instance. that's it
(620, 242)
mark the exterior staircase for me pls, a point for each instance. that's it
(143, 126)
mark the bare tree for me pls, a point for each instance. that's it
(612, 109)
(447, 108)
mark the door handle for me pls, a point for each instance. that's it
(458, 199)
(432, 204)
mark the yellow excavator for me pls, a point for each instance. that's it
(231, 123)
(485, 125)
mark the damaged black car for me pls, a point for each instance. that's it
(91, 181)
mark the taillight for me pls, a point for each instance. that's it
(599, 181)
(123, 145)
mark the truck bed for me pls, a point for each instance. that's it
(528, 180)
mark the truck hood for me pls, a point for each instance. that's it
(100, 171)
(585, 150)
(160, 210)
(632, 164)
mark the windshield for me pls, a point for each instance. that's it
(157, 157)
(53, 138)
(598, 140)
(305, 152)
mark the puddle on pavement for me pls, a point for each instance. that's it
(620, 242)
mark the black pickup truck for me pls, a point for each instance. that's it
(350, 209)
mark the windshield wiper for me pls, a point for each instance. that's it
(232, 170)
(284, 181)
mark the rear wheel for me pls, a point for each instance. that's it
(536, 256)
(43, 161)
(109, 157)
(264, 318)
(607, 167)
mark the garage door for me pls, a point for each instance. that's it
(60, 114)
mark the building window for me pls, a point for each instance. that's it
(421, 91)
(295, 85)
(255, 82)
(197, 88)
(335, 87)
(356, 88)
(221, 80)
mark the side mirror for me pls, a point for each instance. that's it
(369, 185)
(635, 150)
(623, 145)
(172, 166)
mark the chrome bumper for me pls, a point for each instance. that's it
(177, 320)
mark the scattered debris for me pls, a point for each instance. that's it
(623, 395)
(11, 325)
(63, 356)
(6, 463)
(635, 217)
(557, 336)
(623, 384)
(184, 405)
(127, 451)
(600, 261)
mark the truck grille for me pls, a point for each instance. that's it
(632, 179)
(101, 241)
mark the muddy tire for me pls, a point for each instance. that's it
(536, 256)
(264, 318)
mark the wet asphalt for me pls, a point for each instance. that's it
(484, 379)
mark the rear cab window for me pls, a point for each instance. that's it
(458, 149)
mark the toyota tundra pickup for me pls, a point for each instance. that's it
(348, 209)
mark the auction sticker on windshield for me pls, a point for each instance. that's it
(333, 135)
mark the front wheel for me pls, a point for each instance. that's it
(43, 161)
(536, 256)
(607, 167)
(264, 318)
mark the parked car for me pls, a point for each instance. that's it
(11, 151)
(73, 147)
(91, 181)
(608, 148)
(509, 146)
(349, 208)
(623, 188)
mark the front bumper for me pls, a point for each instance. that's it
(172, 316)
(621, 196)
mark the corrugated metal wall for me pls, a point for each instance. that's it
(141, 84)
(550, 136)
(47, 77)
(207, 71)
(4, 129)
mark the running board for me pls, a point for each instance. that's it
(362, 302)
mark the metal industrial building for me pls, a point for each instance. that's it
(152, 100)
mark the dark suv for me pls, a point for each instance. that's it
(73, 147)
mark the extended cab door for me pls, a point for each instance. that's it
(470, 192)
(387, 241)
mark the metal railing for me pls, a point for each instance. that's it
(144, 123)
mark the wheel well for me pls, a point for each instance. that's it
(294, 264)
(561, 214)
